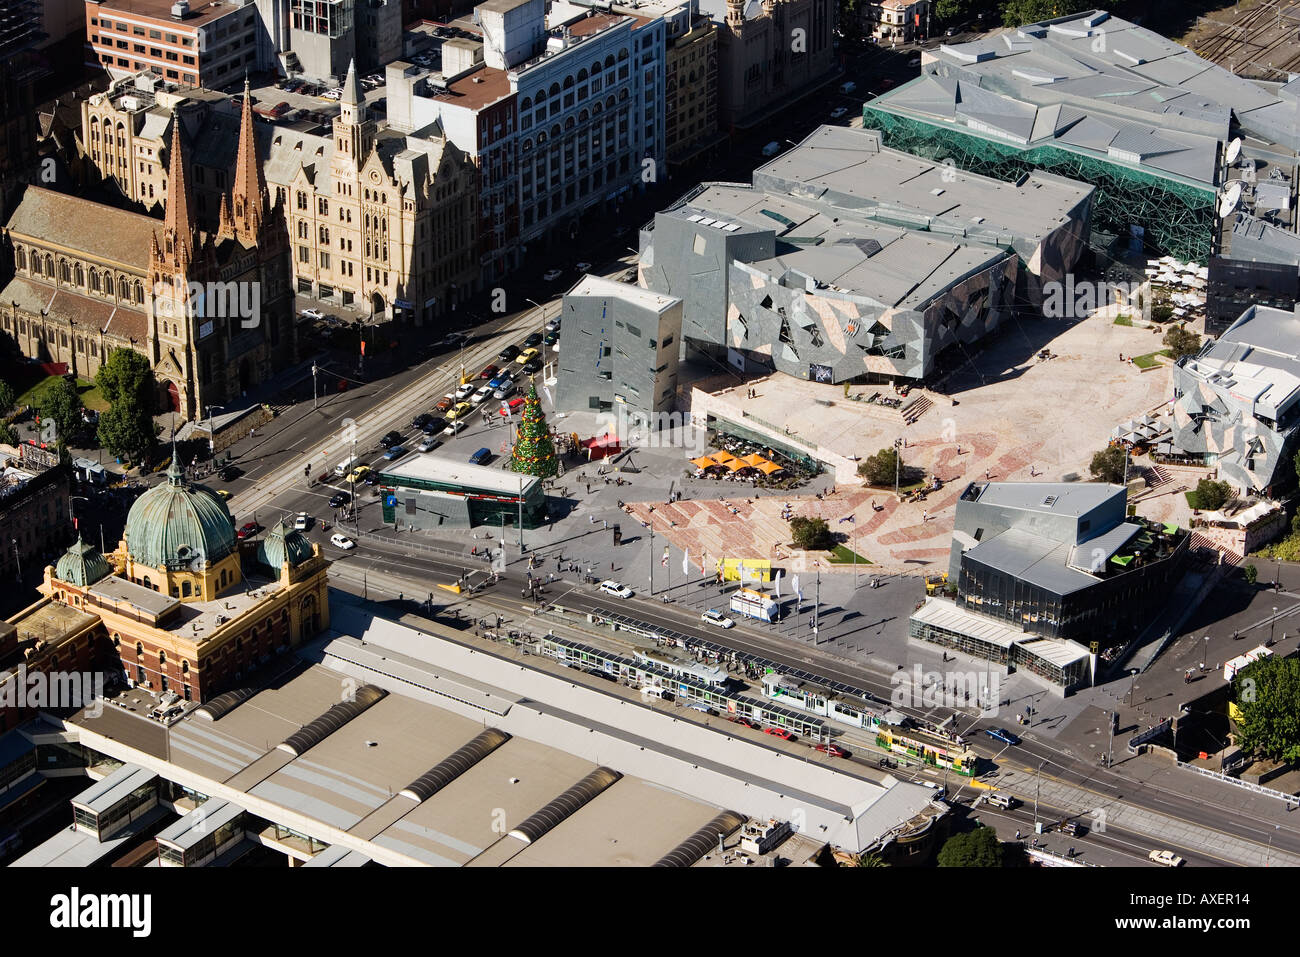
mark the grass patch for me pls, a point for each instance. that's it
(843, 555)
(1123, 321)
(1148, 361)
(91, 397)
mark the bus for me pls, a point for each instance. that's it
(932, 749)
(754, 604)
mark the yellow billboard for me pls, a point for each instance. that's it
(756, 569)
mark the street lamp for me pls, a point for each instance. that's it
(1205, 654)
(1272, 624)
(1038, 791)
(212, 436)
(313, 385)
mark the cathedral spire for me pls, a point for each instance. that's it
(179, 227)
(248, 191)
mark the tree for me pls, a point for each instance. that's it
(125, 375)
(1182, 342)
(1108, 465)
(7, 398)
(1209, 495)
(534, 452)
(977, 848)
(1267, 691)
(811, 534)
(61, 403)
(1251, 573)
(1019, 13)
(126, 429)
(881, 468)
(870, 860)
(7, 435)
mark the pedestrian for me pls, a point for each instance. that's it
(925, 515)
(1017, 835)
(986, 475)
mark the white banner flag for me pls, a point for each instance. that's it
(777, 582)
(547, 393)
(686, 563)
(794, 583)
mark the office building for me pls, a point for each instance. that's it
(621, 345)
(1236, 403)
(208, 43)
(846, 260)
(769, 53)
(1042, 568)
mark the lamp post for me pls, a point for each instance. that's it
(313, 385)
(19, 561)
(1205, 653)
(652, 561)
(1038, 790)
(212, 436)
(898, 463)
(521, 522)
(1110, 746)
(1272, 624)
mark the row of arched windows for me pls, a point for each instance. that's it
(72, 273)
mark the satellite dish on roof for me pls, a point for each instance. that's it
(1230, 199)
(1234, 150)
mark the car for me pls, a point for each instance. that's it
(601, 673)
(302, 522)
(551, 338)
(553, 325)
(312, 314)
(390, 439)
(455, 427)
(360, 472)
(372, 478)
(717, 619)
(435, 425)
(551, 275)
(508, 353)
(223, 495)
(533, 340)
(527, 356)
(834, 750)
(458, 410)
(1003, 735)
(582, 267)
(746, 723)
(248, 530)
(950, 32)
(339, 540)
(397, 451)
(500, 381)
(512, 406)
(915, 61)
(482, 395)
(838, 112)
(481, 457)
(429, 444)
(489, 372)
(421, 420)
(1165, 858)
(532, 366)
(617, 589)
(780, 733)
(465, 390)
(445, 403)
(701, 707)
(339, 499)
(505, 391)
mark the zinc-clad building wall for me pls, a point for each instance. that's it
(621, 347)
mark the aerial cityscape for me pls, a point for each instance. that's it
(662, 433)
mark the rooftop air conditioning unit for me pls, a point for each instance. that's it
(180, 9)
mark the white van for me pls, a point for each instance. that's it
(847, 88)
(1005, 801)
(346, 466)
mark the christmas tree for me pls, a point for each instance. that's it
(534, 452)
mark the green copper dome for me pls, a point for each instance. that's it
(281, 545)
(82, 565)
(179, 525)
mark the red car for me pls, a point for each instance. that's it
(250, 529)
(489, 372)
(746, 722)
(780, 733)
(513, 406)
(834, 750)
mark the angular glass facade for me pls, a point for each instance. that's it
(1179, 218)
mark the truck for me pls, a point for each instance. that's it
(754, 604)
(936, 583)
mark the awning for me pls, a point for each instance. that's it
(703, 462)
(1170, 528)
(1121, 559)
(767, 468)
